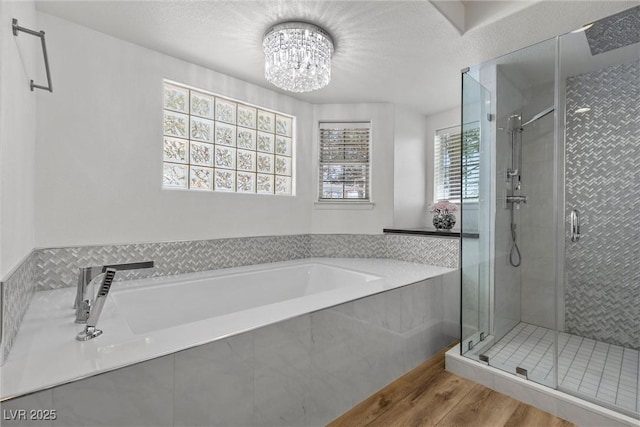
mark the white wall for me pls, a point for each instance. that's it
(18, 57)
(412, 173)
(434, 122)
(99, 152)
(329, 218)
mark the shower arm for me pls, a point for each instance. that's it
(516, 126)
(538, 116)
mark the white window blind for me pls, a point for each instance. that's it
(457, 164)
(344, 161)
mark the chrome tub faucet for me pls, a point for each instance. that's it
(88, 310)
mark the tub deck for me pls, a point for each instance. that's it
(46, 354)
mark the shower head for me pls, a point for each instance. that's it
(615, 31)
(540, 115)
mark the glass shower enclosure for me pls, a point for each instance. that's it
(551, 246)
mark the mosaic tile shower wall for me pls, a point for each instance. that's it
(602, 291)
(615, 31)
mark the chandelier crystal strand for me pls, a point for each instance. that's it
(297, 56)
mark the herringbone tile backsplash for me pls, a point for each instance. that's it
(56, 268)
(17, 291)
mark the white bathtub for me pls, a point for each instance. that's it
(181, 300)
(148, 318)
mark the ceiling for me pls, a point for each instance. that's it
(404, 52)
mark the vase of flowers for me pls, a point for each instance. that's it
(443, 217)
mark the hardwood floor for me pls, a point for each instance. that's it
(431, 396)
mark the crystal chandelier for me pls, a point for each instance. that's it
(297, 56)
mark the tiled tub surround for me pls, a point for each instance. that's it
(55, 268)
(303, 370)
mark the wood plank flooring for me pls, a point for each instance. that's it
(431, 396)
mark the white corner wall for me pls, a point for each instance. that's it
(18, 57)
(99, 151)
(354, 219)
(434, 122)
(411, 169)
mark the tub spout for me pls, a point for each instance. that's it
(89, 275)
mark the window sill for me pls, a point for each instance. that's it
(344, 205)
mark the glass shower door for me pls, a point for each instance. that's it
(475, 209)
(508, 279)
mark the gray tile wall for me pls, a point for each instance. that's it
(347, 245)
(423, 250)
(55, 268)
(304, 371)
(420, 249)
(507, 284)
(614, 32)
(536, 235)
(17, 291)
(58, 268)
(602, 291)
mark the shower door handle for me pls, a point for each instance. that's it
(575, 225)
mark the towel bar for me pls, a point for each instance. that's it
(40, 34)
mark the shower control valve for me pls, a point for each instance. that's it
(517, 199)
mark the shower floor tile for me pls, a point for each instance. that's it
(600, 371)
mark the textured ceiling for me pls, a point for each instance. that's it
(403, 52)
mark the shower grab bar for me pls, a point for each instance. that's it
(574, 219)
(40, 34)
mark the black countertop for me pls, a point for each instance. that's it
(429, 231)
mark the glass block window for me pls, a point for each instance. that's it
(344, 161)
(213, 143)
(457, 164)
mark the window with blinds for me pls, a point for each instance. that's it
(344, 161)
(457, 164)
